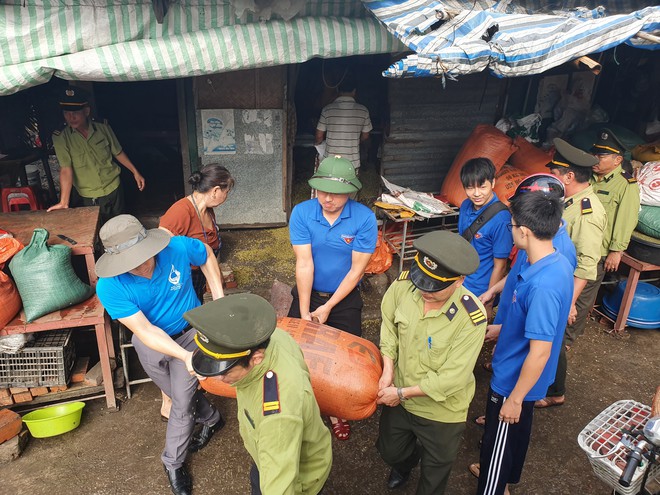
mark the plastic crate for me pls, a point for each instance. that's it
(47, 363)
(602, 435)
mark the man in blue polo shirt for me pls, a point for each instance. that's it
(145, 283)
(487, 232)
(333, 238)
(534, 309)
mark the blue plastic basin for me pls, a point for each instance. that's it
(645, 308)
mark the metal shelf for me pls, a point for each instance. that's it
(401, 241)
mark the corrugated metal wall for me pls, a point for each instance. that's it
(428, 125)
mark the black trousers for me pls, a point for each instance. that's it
(346, 316)
(558, 388)
(110, 206)
(504, 447)
(398, 437)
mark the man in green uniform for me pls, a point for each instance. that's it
(278, 416)
(85, 151)
(432, 331)
(619, 194)
(586, 221)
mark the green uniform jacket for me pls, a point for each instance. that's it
(436, 351)
(94, 173)
(291, 448)
(586, 221)
(619, 194)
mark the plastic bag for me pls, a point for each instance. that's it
(45, 278)
(381, 259)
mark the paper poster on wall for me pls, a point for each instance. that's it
(259, 144)
(218, 132)
(260, 117)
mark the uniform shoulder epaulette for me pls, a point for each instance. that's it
(585, 206)
(628, 176)
(57, 133)
(271, 394)
(404, 275)
(476, 315)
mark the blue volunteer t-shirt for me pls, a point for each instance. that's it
(333, 246)
(492, 240)
(166, 296)
(562, 244)
(536, 302)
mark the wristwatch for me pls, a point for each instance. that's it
(399, 392)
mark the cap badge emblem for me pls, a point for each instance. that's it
(202, 337)
(70, 92)
(430, 264)
(604, 136)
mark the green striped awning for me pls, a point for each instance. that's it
(94, 40)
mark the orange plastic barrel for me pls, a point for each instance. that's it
(345, 369)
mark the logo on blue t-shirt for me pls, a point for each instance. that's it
(348, 239)
(174, 278)
(478, 235)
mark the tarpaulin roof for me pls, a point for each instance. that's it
(107, 40)
(509, 38)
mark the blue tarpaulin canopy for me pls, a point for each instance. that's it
(509, 38)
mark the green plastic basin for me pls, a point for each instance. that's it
(54, 420)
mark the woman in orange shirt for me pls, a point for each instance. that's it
(193, 216)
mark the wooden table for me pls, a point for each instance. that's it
(81, 225)
(636, 268)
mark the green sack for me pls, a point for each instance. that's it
(45, 278)
(649, 221)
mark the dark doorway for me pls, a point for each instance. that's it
(145, 119)
(316, 87)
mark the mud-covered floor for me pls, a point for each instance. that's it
(119, 452)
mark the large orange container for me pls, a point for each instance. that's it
(345, 369)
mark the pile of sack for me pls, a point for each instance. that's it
(43, 278)
(514, 159)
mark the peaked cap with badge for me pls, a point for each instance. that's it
(442, 258)
(570, 156)
(228, 329)
(607, 144)
(73, 99)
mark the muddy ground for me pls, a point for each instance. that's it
(119, 452)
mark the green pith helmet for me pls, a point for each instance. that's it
(335, 175)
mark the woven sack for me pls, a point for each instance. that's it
(344, 369)
(45, 278)
(649, 221)
(529, 158)
(648, 179)
(506, 182)
(9, 246)
(486, 141)
(11, 300)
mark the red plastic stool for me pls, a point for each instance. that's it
(14, 197)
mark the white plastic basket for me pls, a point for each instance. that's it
(602, 436)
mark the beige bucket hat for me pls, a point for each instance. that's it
(127, 245)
